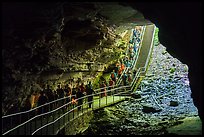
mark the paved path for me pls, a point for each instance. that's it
(145, 52)
(60, 121)
(145, 49)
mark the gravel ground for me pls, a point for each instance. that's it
(164, 103)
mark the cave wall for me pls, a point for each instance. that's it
(47, 43)
(42, 41)
(180, 30)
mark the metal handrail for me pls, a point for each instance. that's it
(150, 47)
(54, 101)
(77, 106)
(22, 112)
(147, 60)
(132, 85)
(113, 89)
(142, 36)
(135, 56)
(91, 101)
(39, 115)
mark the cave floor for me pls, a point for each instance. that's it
(165, 106)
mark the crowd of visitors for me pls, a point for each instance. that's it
(127, 61)
(73, 90)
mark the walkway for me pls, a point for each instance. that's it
(146, 47)
(54, 128)
(53, 121)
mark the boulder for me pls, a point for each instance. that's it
(173, 103)
(136, 95)
(149, 109)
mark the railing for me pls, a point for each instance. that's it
(49, 122)
(143, 69)
(39, 119)
(84, 108)
(134, 58)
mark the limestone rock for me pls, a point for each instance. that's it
(149, 109)
(136, 95)
(173, 103)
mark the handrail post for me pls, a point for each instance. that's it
(41, 122)
(119, 96)
(64, 115)
(113, 96)
(100, 100)
(11, 121)
(25, 129)
(28, 117)
(58, 124)
(106, 97)
(53, 123)
(31, 124)
(82, 106)
(73, 110)
(35, 121)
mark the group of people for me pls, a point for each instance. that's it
(127, 61)
(75, 90)
(118, 72)
(134, 43)
(71, 91)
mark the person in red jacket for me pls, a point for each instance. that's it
(82, 88)
(111, 84)
(122, 67)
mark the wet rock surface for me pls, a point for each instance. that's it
(42, 42)
(165, 102)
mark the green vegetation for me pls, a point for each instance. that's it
(156, 37)
(186, 68)
(96, 81)
(121, 44)
(172, 70)
(101, 77)
(118, 53)
(107, 76)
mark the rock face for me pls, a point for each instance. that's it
(176, 37)
(165, 102)
(48, 43)
(35, 42)
(148, 109)
(173, 103)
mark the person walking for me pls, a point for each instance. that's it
(116, 68)
(60, 92)
(89, 91)
(124, 79)
(41, 101)
(73, 97)
(79, 96)
(56, 96)
(82, 88)
(113, 75)
(67, 91)
(50, 96)
(111, 84)
(129, 77)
